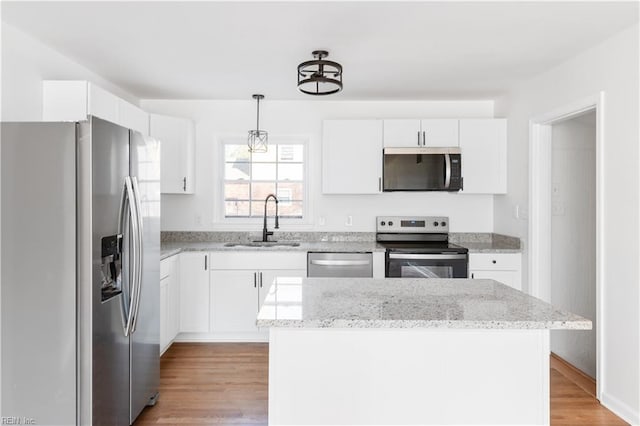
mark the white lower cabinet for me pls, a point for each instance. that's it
(234, 301)
(169, 302)
(240, 283)
(194, 292)
(502, 267)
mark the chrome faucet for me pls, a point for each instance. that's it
(265, 232)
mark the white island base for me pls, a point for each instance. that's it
(337, 376)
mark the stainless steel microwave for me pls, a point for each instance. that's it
(422, 169)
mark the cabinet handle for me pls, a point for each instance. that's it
(205, 262)
(379, 184)
(424, 138)
(255, 280)
(184, 184)
(472, 275)
(260, 279)
(493, 261)
(419, 143)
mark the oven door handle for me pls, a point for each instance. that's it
(427, 256)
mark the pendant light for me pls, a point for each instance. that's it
(320, 77)
(257, 140)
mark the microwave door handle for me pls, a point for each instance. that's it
(447, 171)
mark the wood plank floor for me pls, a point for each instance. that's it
(227, 384)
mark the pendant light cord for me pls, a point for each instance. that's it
(258, 114)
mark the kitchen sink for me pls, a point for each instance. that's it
(264, 244)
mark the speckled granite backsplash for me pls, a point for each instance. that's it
(454, 237)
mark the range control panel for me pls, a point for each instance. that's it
(413, 224)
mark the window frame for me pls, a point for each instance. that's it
(219, 200)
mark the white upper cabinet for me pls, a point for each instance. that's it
(483, 143)
(133, 117)
(432, 132)
(100, 103)
(74, 100)
(439, 132)
(177, 148)
(351, 156)
(402, 133)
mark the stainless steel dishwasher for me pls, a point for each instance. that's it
(320, 264)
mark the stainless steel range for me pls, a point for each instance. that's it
(418, 247)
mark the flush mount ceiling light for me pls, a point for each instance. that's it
(257, 140)
(319, 76)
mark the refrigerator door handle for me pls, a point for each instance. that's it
(139, 254)
(125, 220)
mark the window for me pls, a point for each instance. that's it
(250, 177)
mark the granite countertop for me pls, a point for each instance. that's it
(170, 248)
(489, 247)
(408, 303)
(175, 242)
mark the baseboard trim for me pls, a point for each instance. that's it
(575, 375)
(620, 409)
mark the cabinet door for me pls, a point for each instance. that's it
(103, 104)
(283, 277)
(352, 156)
(483, 143)
(234, 301)
(173, 307)
(440, 132)
(164, 312)
(290, 278)
(402, 133)
(177, 141)
(510, 278)
(64, 100)
(194, 292)
(132, 117)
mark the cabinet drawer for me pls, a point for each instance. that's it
(494, 261)
(167, 267)
(259, 260)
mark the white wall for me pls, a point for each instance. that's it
(25, 63)
(217, 118)
(573, 236)
(612, 67)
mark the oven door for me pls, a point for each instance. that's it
(427, 265)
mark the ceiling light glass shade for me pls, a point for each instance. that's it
(258, 140)
(320, 77)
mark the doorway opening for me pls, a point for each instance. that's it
(565, 228)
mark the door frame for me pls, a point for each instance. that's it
(540, 151)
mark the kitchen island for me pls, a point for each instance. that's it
(408, 351)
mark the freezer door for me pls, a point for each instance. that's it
(39, 272)
(145, 336)
(110, 346)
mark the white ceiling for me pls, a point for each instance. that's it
(407, 50)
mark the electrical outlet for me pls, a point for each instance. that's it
(349, 221)
(198, 219)
(520, 212)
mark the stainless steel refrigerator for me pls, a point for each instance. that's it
(80, 251)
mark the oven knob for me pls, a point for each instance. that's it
(435, 223)
(390, 223)
(382, 223)
(443, 224)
